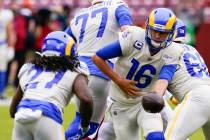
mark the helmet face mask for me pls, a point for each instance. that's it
(158, 38)
(160, 28)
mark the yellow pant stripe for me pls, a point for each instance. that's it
(176, 117)
(63, 132)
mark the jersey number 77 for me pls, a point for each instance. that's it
(84, 18)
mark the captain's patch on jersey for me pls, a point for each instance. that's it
(138, 45)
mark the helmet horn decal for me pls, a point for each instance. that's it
(170, 22)
(68, 47)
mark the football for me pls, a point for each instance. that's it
(152, 102)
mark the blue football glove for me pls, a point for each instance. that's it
(80, 134)
(73, 127)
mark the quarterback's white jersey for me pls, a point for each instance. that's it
(5, 17)
(192, 73)
(96, 26)
(136, 62)
(53, 87)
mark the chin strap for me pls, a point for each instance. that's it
(152, 49)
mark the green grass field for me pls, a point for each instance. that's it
(6, 123)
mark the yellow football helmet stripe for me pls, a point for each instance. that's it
(68, 47)
(170, 22)
(152, 19)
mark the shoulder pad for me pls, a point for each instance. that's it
(23, 69)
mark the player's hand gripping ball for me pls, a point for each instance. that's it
(152, 102)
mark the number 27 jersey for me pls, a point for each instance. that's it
(53, 87)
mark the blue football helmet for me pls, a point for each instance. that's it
(180, 31)
(59, 43)
(161, 20)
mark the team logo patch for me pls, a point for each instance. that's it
(138, 45)
(167, 57)
(125, 34)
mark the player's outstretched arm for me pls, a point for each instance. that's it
(165, 77)
(111, 51)
(161, 86)
(104, 67)
(15, 101)
(86, 104)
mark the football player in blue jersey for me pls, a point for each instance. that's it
(92, 28)
(46, 86)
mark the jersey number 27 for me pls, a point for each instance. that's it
(32, 84)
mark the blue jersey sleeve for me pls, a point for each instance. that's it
(69, 32)
(123, 16)
(167, 72)
(111, 51)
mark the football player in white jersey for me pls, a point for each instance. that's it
(144, 56)
(191, 86)
(106, 131)
(47, 84)
(7, 42)
(93, 28)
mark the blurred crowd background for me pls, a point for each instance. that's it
(33, 19)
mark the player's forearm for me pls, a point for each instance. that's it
(104, 67)
(15, 101)
(165, 77)
(161, 86)
(86, 110)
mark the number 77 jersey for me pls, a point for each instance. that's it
(96, 26)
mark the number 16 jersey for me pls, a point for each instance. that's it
(136, 63)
